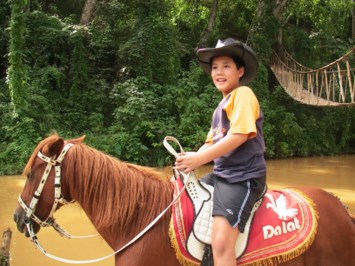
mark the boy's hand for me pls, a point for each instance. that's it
(188, 162)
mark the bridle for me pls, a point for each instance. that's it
(58, 196)
(59, 199)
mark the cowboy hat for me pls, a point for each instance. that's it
(233, 48)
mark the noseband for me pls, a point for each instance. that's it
(58, 197)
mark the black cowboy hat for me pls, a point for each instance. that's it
(233, 48)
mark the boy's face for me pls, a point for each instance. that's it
(225, 74)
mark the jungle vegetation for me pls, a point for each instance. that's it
(124, 73)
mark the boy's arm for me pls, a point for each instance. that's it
(209, 152)
(222, 147)
(205, 146)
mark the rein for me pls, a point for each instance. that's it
(59, 199)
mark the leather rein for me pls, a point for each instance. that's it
(59, 199)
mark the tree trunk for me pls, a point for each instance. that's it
(18, 69)
(278, 13)
(210, 26)
(262, 12)
(5, 248)
(88, 12)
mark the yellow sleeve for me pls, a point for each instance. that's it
(210, 134)
(243, 110)
(209, 138)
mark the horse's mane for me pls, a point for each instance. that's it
(115, 193)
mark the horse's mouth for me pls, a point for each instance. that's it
(21, 224)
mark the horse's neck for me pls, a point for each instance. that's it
(123, 202)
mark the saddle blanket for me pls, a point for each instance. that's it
(284, 227)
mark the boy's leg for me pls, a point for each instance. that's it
(224, 238)
(232, 204)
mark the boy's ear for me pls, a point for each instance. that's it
(241, 72)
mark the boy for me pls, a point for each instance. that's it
(235, 143)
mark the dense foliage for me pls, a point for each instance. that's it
(129, 77)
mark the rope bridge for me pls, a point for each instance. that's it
(330, 85)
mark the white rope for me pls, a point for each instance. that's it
(149, 226)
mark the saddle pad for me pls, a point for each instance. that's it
(283, 228)
(181, 224)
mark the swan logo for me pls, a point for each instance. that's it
(280, 207)
(289, 222)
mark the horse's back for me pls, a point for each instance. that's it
(334, 243)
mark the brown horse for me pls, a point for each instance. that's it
(121, 199)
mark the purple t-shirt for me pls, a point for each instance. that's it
(239, 112)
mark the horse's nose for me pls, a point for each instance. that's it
(16, 217)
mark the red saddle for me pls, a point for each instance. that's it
(283, 227)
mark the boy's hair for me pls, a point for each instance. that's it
(237, 60)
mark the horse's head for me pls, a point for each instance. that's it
(43, 193)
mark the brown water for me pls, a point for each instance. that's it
(335, 174)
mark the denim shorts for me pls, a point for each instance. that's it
(234, 201)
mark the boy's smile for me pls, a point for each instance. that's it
(225, 74)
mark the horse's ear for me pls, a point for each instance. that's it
(54, 148)
(78, 140)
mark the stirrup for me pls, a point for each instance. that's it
(207, 259)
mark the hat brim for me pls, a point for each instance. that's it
(240, 50)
